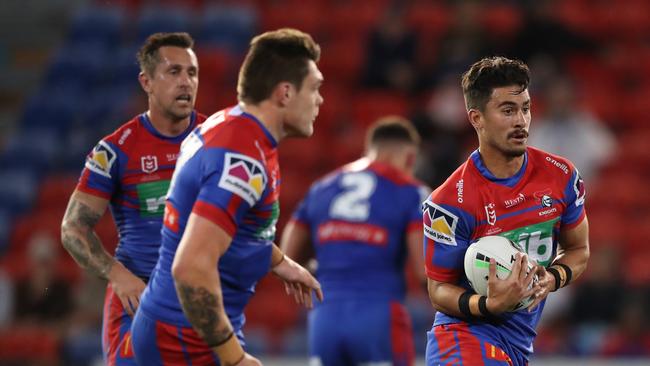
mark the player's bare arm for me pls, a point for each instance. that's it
(83, 244)
(78, 235)
(196, 276)
(296, 242)
(569, 264)
(503, 295)
(297, 247)
(414, 243)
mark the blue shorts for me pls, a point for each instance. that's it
(157, 343)
(456, 344)
(116, 334)
(353, 332)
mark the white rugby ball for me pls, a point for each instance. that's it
(477, 263)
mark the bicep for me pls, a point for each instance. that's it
(84, 209)
(202, 244)
(576, 237)
(296, 242)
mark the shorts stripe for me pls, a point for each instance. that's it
(401, 336)
(470, 346)
(447, 344)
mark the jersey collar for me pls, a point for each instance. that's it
(146, 122)
(510, 181)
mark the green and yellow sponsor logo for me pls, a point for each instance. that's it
(536, 240)
(152, 198)
(267, 230)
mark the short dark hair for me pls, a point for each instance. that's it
(392, 129)
(489, 73)
(148, 56)
(274, 57)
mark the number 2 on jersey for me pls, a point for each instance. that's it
(353, 203)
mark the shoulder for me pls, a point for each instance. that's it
(238, 133)
(555, 167)
(459, 189)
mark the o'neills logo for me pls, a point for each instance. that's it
(562, 166)
(459, 188)
(515, 201)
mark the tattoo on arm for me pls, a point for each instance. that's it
(201, 308)
(80, 240)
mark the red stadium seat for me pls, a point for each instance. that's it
(368, 106)
(29, 345)
(55, 191)
(503, 21)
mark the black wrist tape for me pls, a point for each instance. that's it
(555, 274)
(463, 304)
(482, 307)
(568, 271)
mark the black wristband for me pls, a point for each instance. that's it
(555, 274)
(568, 271)
(463, 304)
(223, 341)
(482, 307)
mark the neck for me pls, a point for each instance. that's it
(500, 165)
(268, 115)
(167, 126)
(394, 159)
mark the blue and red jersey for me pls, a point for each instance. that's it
(530, 208)
(132, 167)
(228, 173)
(358, 218)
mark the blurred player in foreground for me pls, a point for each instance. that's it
(361, 222)
(505, 188)
(221, 212)
(130, 170)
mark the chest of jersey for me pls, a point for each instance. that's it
(528, 213)
(146, 175)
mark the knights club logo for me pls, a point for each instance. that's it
(544, 197)
(149, 163)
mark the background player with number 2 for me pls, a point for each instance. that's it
(361, 222)
(505, 188)
(221, 211)
(130, 170)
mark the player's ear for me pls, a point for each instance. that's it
(145, 81)
(283, 92)
(475, 118)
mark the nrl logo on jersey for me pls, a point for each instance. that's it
(491, 213)
(101, 159)
(243, 176)
(439, 224)
(149, 163)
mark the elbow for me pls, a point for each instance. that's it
(432, 287)
(180, 271)
(183, 271)
(68, 230)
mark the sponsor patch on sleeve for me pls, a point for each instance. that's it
(579, 188)
(243, 176)
(101, 159)
(439, 224)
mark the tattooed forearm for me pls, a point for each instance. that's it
(81, 242)
(201, 308)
